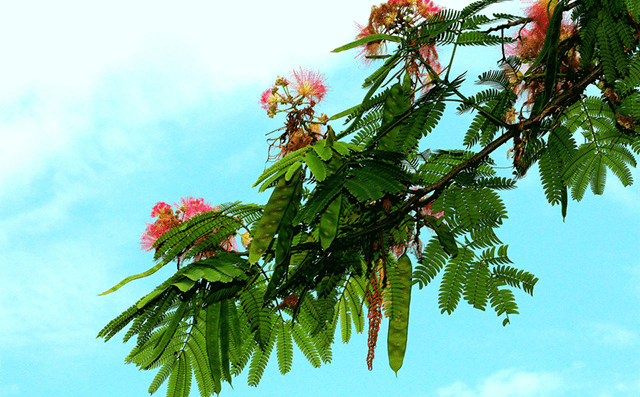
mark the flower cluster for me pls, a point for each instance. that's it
(297, 97)
(305, 87)
(530, 44)
(168, 218)
(395, 17)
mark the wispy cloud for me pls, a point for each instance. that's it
(509, 383)
(615, 335)
(53, 293)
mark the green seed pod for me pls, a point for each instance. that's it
(224, 340)
(279, 202)
(283, 243)
(329, 222)
(396, 91)
(212, 341)
(285, 230)
(399, 326)
(391, 105)
(394, 106)
(334, 164)
(406, 85)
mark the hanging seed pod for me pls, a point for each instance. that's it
(394, 106)
(329, 222)
(275, 210)
(399, 326)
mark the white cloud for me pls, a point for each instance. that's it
(509, 383)
(52, 290)
(615, 335)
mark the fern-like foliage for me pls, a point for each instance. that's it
(556, 155)
(605, 34)
(631, 80)
(434, 259)
(605, 148)
(279, 168)
(350, 306)
(485, 124)
(371, 179)
(453, 279)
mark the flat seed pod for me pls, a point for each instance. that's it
(393, 107)
(399, 327)
(329, 222)
(273, 213)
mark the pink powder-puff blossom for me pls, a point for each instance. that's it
(168, 219)
(269, 99)
(430, 55)
(533, 38)
(191, 207)
(165, 222)
(150, 236)
(159, 207)
(372, 48)
(426, 8)
(309, 84)
(385, 18)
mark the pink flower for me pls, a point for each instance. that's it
(430, 55)
(149, 237)
(268, 99)
(309, 84)
(191, 207)
(538, 12)
(168, 219)
(532, 39)
(426, 8)
(530, 44)
(159, 207)
(372, 48)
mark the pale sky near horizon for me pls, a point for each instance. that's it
(108, 107)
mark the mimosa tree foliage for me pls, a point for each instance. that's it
(351, 195)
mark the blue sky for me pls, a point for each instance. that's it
(108, 107)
